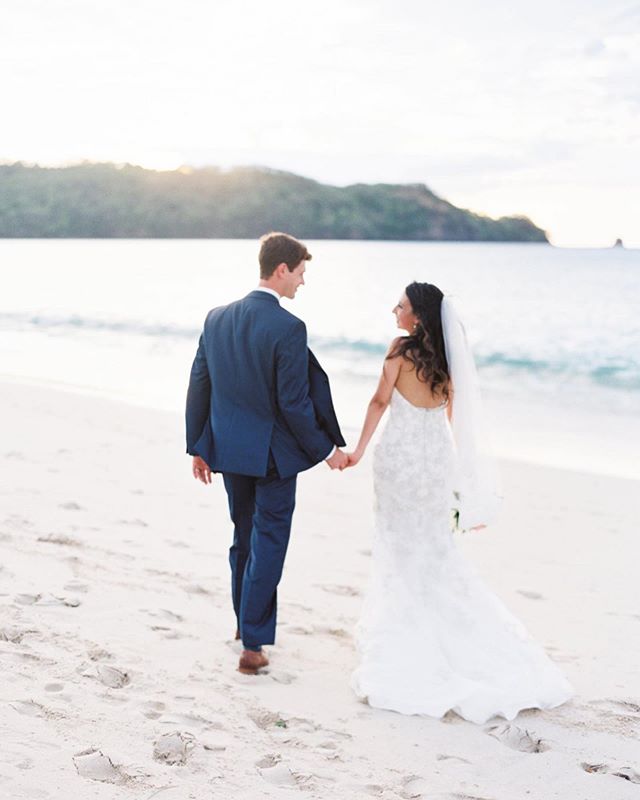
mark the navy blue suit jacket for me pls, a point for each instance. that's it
(255, 387)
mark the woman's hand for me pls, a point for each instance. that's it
(353, 458)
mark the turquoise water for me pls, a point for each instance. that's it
(555, 332)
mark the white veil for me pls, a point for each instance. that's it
(476, 484)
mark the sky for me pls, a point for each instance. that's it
(504, 107)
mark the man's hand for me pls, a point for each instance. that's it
(200, 469)
(338, 460)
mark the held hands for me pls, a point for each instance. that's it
(200, 470)
(353, 458)
(341, 460)
(338, 460)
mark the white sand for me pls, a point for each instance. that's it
(119, 672)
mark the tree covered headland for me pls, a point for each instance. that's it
(105, 200)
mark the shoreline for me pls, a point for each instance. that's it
(532, 458)
(116, 632)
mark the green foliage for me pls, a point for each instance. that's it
(107, 201)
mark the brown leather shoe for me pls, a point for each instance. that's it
(252, 661)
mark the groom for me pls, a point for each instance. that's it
(259, 411)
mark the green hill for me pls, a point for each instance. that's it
(107, 201)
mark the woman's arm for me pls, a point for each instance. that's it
(378, 404)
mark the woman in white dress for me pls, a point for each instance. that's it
(432, 636)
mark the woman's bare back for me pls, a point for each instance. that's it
(417, 392)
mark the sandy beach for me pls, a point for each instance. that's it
(116, 630)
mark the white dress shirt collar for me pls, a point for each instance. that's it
(268, 291)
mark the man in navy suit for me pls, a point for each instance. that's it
(259, 411)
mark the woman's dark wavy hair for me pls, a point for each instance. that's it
(425, 346)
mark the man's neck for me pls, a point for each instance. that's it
(266, 287)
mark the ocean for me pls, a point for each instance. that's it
(555, 332)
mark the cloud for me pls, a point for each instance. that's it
(595, 48)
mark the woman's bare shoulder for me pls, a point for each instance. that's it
(393, 347)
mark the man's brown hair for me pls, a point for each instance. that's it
(280, 248)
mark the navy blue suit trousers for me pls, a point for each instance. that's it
(261, 510)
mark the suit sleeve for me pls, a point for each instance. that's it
(198, 397)
(292, 386)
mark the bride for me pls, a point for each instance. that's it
(432, 636)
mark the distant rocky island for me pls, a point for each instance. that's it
(110, 201)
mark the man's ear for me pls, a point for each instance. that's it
(281, 270)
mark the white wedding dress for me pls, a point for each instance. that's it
(432, 637)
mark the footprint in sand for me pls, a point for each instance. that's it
(174, 748)
(266, 719)
(17, 522)
(61, 539)
(517, 738)
(152, 709)
(336, 633)
(16, 455)
(445, 757)
(627, 773)
(139, 523)
(76, 586)
(414, 787)
(29, 708)
(46, 599)
(14, 635)
(299, 630)
(163, 613)
(373, 789)
(190, 720)
(279, 775)
(617, 706)
(109, 676)
(530, 595)
(270, 760)
(169, 633)
(297, 724)
(334, 588)
(71, 506)
(275, 772)
(96, 766)
(112, 677)
(97, 653)
(328, 749)
(196, 588)
(215, 747)
(280, 676)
